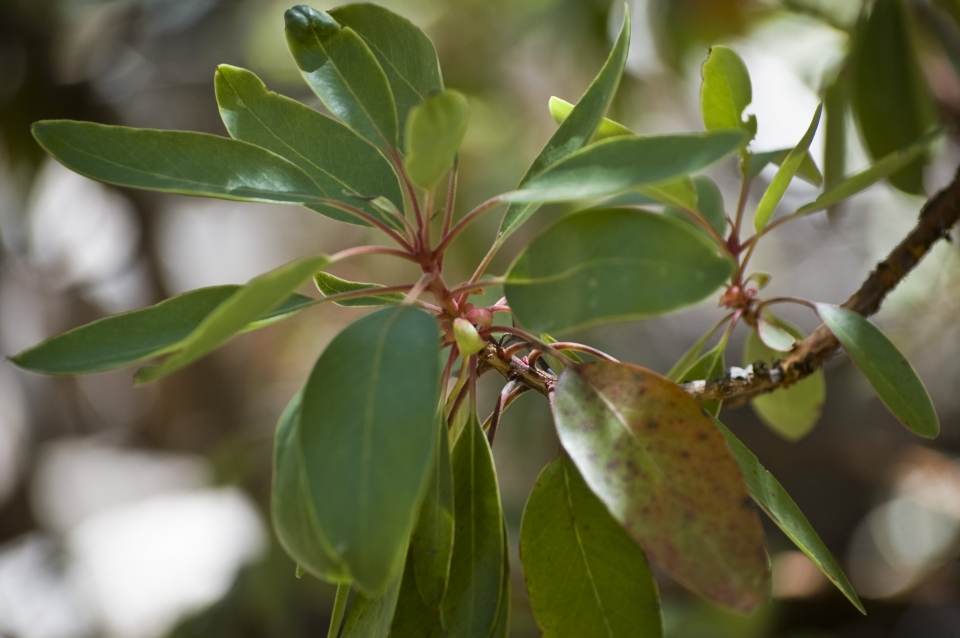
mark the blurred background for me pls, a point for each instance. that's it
(142, 513)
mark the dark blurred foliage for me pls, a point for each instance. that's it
(150, 63)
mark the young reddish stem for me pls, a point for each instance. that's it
(372, 250)
(451, 199)
(448, 370)
(476, 285)
(532, 339)
(741, 206)
(411, 191)
(579, 347)
(465, 221)
(367, 217)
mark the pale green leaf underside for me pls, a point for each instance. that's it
(434, 131)
(332, 285)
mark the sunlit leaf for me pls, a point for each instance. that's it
(343, 72)
(611, 265)
(176, 162)
(790, 412)
(725, 91)
(679, 191)
(774, 500)
(586, 576)
(653, 456)
(331, 285)
(577, 129)
(434, 131)
(247, 304)
(560, 110)
(368, 436)
(807, 170)
(778, 186)
(890, 374)
(343, 165)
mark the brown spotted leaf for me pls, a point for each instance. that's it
(654, 457)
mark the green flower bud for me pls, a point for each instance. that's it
(468, 339)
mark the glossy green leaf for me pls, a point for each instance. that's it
(561, 109)
(611, 265)
(501, 627)
(472, 603)
(710, 203)
(688, 358)
(176, 162)
(778, 185)
(431, 545)
(412, 617)
(368, 437)
(890, 97)
(807, 170)
(774, 500)
(434, 131)
(404, 51)
(890, 374)
(857, 182)
(136, 336)
(343, 72)
(709, 366)
(331, 285)
(725, 91)
(679, 191)
(790, 412)
(654, 457)
(343, 165)
(371, 616)
(621, 163)
(577, 129)
(291, 510)
(244, 306)
(586, 576)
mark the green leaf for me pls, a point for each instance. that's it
(176, 162)
(577, 129)
(709, 366)
(710, 203)
(501, 627)
(586, 576)
(679, 191)
(890, 97)
(331, 285)
(472, 604)
(857, 182)
(368, 437)
(434, 131)
(654, 457)
(790, 412)
(807, 170)
(691, 356)
(371, 616)
(242, 307)
(611, 265)
(135, 336)
(343, 72)
(405, 53)
(770, 495)
(413, 618)
(778, 186)
(620, 163)
(773, 336)
(835, 104)
(291, 510)
(561, 109)
(725, 91)
(431, 545)
(343, 165)
(890, 374)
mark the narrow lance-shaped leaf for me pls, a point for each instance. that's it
(412, 617)
(331, 285)
(620, 163)
(371, 615)
(343, 165)
(577, 129)
(778, 186)
(709, 366)
(561, 109)
(586, 576)
(807, 170)
(725, 92)
(790, 412)
(235, 313)
(368, 438)
(132, 337)
(688, 358)
(654, 457)
(176, 162)
(472, 602)
(710, 203)
(890, 374)
(853, 184)
(835, 106)
(343, 72)
(611, 265)
(501, 626)
(770, 495)
(405, 53)
(434, 131)
(431, 545)
(291, 510)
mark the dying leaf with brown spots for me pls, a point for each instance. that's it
(657, 461)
